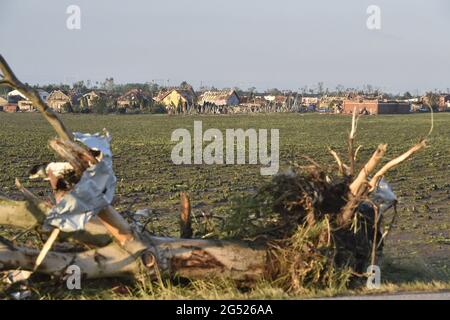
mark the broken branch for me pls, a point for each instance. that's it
(368, 168)
(391, 164)
(351, 138)
(343, 169)
(109, 261)
(185, 217)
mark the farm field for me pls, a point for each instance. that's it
(417, 250)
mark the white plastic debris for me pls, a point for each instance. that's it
(21, 295)
(140, 218)
(142, 213)
(92, 193)
(97, 142)
(383, 196)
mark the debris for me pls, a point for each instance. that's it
(21, 295)
(140, 219)
(383, 196)
(47, 246)
(17, 276)
(92, 193)
(59, 169)
(144, 213)
(185, 217)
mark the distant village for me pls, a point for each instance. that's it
(150, 98)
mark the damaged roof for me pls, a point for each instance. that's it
(186, 93)
(217, 97)
(133, 94)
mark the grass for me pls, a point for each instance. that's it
(417, 251)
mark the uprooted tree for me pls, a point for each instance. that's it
(319, 222)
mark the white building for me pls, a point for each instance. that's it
(42, 93)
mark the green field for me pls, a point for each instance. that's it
(418, 249)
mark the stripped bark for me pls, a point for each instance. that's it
(361, 187)
(351, 139)
(368, 168)
(391, 164)
(192, 259)
(185, 217)
(109, 261)
(343, 168)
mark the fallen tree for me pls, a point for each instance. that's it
(320, 223)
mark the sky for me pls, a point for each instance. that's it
(285, 44)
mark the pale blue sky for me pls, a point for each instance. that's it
(284, 43)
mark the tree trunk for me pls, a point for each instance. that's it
(193, 259)
(189, 258)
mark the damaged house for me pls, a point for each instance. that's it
(11, 107)
(217, 101)
(252, 104)
(15, 96)
(331, 102)
(177, 100)
(60, 101)
(23, 103)
(310, 100)
(278, 103)
(220, 98)
(444, 102)
(134, 99)
(88, 100)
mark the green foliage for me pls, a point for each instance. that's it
(407, 95)
(66, 108)
(50, 87)
(306, 261)
(80, 87)
(250, 216)
(157, 108)
(274, 91)
(185, 85)
(100, 105)
(120, 89)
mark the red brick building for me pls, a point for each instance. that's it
(376, 107)
(11, 107)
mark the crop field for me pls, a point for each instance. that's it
(417, 249)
